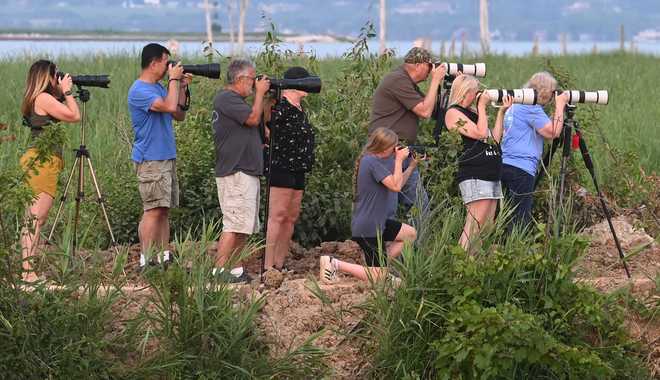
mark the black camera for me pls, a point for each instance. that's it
(310, 84)
(415, 151)
(88, 80)
(208, 70)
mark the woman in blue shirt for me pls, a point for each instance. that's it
(525, 129)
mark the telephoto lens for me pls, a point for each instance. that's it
(589, 97)
(474, 69)
(520, 96)
(102, 81)
(311, 84)
(209, 70)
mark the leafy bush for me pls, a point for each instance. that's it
(512, 312)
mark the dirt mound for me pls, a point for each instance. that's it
(294, 312)
(602, 268)
(602, 257)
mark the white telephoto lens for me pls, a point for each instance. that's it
(590, 97)
(477, 69)
(520, 96)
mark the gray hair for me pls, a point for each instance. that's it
(544, 84)
(237, 68)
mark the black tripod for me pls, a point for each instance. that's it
(441, 103)
(82, 157)
(570, 125)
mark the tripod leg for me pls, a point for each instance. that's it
(79, 198)
(566, 154)
(101, 202)
(63, 199)
(586, 157)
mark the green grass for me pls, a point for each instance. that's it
(628, 126)
(513, 312)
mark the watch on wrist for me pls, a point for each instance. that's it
(68, 93)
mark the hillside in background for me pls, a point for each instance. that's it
(585, 20)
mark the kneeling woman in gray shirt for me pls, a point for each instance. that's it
(379, 176)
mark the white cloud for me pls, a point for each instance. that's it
(273, 8)
(425, 7)
(577, 7)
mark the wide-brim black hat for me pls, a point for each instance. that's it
(296, 72)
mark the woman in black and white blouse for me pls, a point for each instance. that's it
(292, 145)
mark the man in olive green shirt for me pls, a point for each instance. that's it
(398, 104)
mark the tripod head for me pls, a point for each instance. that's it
(83, 94)
(449, 80)
(441, 102)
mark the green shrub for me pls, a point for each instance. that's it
(513, 311)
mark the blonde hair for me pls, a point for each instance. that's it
(38, 81)
(544, 84)
(462, 85)
(380, 140)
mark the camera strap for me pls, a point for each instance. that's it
(186, 105)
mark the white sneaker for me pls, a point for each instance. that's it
(327, 271)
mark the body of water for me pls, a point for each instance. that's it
(57, 48)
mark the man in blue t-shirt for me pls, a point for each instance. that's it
(525, 129)
(152, 108)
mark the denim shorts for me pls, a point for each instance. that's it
(476, 189)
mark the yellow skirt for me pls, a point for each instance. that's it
(42, 178)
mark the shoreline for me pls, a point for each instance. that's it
(193, 37)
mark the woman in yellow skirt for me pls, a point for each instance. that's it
(47, 101)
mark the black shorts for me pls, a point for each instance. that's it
(370, 245)
(287, 179)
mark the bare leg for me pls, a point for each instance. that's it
(407, 233)
(164, 240)
(230, 244)
(37, 215)
(287, 232)
(361, 272)
(150, 229)
(277, 218)
(478, 213)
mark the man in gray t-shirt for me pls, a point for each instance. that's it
(238, 147)
(239, 162)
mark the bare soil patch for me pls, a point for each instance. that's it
(602, 268)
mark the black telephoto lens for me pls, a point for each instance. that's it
(310, 85)
(209, 70)
(102, 81)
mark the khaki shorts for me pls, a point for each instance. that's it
(158, 184)
(238, 194)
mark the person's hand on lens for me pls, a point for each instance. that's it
(175, 71)
(419, 157)
(262, 85)
(483, 100)
(506, 103)
(65, 83)
(561, 99)
(438, 72)
(187, 79)
(401, 153)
